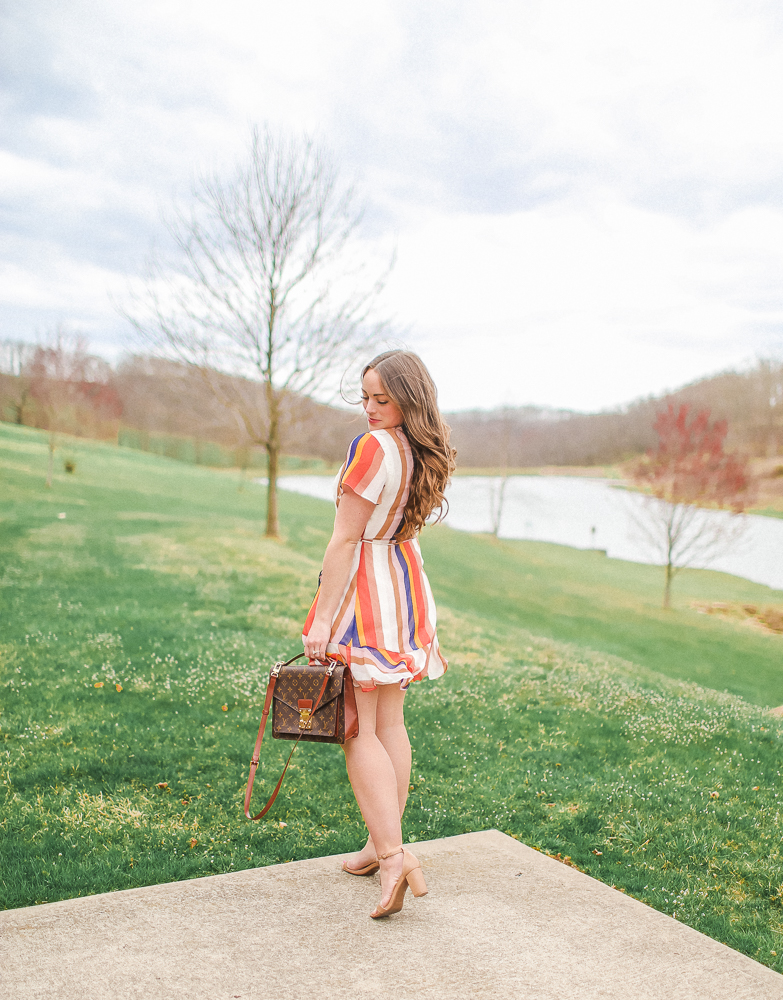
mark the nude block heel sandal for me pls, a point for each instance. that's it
(411, 875)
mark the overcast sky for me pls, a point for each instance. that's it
(586, 197)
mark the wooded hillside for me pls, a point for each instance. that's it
(162, 397)
(168, 398)
(751, 402)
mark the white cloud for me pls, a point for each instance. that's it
(76, 289)
(579, 292)
(592, 193)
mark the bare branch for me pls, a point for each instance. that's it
(268, 285)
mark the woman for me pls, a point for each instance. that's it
(374, 608)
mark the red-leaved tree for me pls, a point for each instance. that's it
(72, 392)
(686, 476)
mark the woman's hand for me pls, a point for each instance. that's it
(316, 640)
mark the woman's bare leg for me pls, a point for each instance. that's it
(378, 762)
(390, 730)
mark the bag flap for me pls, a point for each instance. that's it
(304, 681)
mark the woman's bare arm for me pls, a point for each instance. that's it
(350, 521)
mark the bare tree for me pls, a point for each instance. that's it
(15, 356)
(269, 290)
(71, 391)
(769, 398)
(684, 535)
(497, 499)
(686, 474)
(498, 485)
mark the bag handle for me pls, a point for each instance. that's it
(273, 675)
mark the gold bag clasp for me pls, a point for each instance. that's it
(305, 713)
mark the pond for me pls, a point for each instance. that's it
(590, 514)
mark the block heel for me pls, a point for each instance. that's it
(416, 881)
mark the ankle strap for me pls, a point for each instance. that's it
(390, 854)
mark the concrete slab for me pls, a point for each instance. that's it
(501, 920)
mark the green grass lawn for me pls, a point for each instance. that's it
(614, 606)
(136, 633)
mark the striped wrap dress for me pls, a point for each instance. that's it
(384, 625)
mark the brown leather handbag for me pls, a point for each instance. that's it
(311, 701)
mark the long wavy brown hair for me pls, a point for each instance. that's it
(408, 384)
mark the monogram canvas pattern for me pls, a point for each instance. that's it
(303, 682)
(291, 695)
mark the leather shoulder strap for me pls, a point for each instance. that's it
(262, 726)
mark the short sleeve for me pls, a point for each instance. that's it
(365, 470)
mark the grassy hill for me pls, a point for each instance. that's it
(136, 633)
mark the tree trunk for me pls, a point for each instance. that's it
(667, 589)
(498, 503)
(50, 470)
(273, 458)
(672, 533)
(272, 525)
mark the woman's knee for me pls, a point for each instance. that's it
(392, 733)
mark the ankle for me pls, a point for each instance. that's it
(391, 854)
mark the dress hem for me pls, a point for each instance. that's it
(368, 676)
